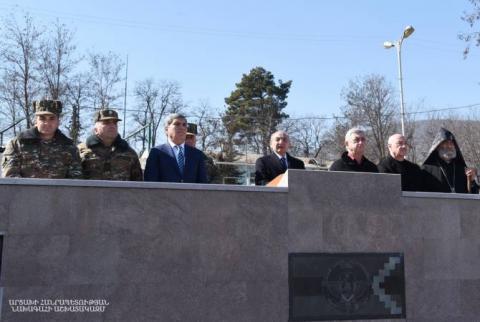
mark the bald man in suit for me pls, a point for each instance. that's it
(270, 166)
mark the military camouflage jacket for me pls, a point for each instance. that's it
(27, 156)
(117, 162)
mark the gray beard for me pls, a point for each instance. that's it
(447, 155)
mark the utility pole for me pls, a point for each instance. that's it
(125, 99)
(398, 45)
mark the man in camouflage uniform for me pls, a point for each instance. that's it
(105, 156)
(191, 138)
(42, 151)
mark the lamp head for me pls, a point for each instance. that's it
(408, 31)
(388, 44)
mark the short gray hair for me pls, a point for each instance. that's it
(172, 117)
(279, 132)
(354, 130)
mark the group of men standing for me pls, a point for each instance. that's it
(43, 151)
(444, 169)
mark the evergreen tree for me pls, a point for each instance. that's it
(255, 108)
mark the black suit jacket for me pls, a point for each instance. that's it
(269, 166)
(162, 165)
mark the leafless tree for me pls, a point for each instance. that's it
(411, 128)
(471, 19)
(105, 70)
(9, 103)
(146, 93)
(369, 103)
(210, 127)
(56, 60)
(470, 140)
(19, 52)
(77, 95)
(468, 137)
(307, 136)
(154, 101)
(334, 138)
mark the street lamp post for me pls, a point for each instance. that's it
(398, 44)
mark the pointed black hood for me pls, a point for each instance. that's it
(442, 135)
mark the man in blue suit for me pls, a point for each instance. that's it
(175, 161)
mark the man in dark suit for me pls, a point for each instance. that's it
(175, 161)
(270, 166)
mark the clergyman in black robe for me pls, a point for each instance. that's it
(445, 168)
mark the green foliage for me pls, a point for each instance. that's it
(255, 108)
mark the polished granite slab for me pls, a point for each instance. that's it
(346, 286)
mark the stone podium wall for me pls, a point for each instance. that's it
(439, 235)
(173, 252)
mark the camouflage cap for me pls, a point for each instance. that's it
(47, 107)
(107, 114)
(192, 129)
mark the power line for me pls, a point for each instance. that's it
(301, 118)
(314, 38)
(313, 117)
(446, 109)
(192, 30)
(335, 117)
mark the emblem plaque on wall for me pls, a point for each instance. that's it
(346, 286)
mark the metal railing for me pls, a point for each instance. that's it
(8, 128)
(135, 132)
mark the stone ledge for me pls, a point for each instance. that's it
(439, 195)
(135, 184)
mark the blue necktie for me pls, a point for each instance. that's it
(180, 159)
(284, 163)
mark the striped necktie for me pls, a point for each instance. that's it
(180, 159)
